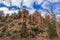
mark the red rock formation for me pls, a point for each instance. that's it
(23, 15)
(37, 17)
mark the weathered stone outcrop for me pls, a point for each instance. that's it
(37, 17)
(24, 15)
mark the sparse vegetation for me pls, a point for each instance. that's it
(24, 32)
(52, 30)
(8, 33)
(24, 25)
(4, 29)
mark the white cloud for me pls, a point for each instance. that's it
(16, 2)
(6, 11)
(44, 13)
(58, 18)
(39, 1)
(12, 2)
(32, 11)
(58, 15)
(44, 4)
(28, 3)
(48, 2)
(55, 0)
(6, 2)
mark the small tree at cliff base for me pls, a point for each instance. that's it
(24, 32)
(3, 31)
(52, 33)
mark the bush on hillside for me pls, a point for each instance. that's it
(24, 32)
(52, 30)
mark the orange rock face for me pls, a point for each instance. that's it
(23, 15)
(37, 17)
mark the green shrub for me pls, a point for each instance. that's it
(34, 31)
(52, 30)
(4, 29)
(15, 31)
(24, 32)
(8, 33)
(1, 34)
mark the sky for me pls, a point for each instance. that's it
(11, 6)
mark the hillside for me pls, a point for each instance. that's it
(25, 25)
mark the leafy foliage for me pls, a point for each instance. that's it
(24, 32)
(2, 32)
(8, 33)
(51, 30)
(4, 29)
